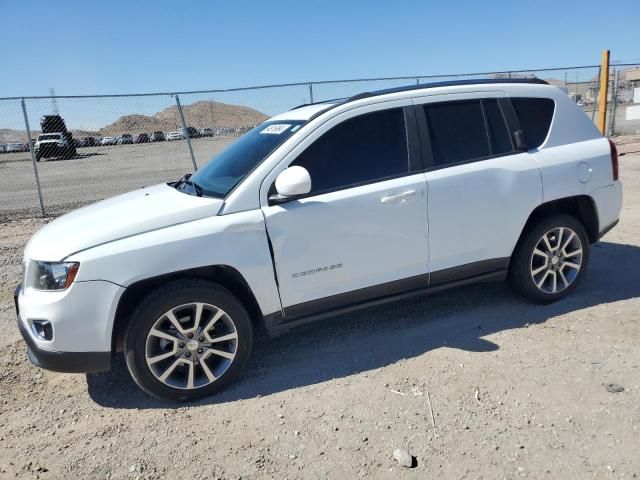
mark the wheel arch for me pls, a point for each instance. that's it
(581, 207)
(224, 275)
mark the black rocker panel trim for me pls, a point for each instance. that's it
(303, 313)
(468, 270)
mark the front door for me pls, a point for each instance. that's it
(362, 230)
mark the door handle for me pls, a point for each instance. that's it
(399, 198)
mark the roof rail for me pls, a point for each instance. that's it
(451, 83)
(320, 102)
(422, 86)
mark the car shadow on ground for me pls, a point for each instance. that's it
(379, 336)
(77, 156)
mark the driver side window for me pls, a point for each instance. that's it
(370, 147)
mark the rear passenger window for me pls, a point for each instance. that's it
(498, 131)
(362, 149)
(535, 116)
(457, 131)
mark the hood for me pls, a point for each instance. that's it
(135, 212)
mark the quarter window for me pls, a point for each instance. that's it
(534, 115)
(362, 149)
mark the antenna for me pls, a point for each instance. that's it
(54, 104)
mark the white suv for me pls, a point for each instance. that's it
(320, 210)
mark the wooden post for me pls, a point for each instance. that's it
(604, 91)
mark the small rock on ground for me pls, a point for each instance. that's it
(403, 457)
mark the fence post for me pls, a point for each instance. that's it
(614, 100)
(604, 90)
(310, 92)
(186, 133)
(33, 155)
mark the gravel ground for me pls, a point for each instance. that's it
(516, 390)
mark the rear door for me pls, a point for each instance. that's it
(481, 188)
(362, 231)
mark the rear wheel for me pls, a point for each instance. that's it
(188, 340)
(551, 259)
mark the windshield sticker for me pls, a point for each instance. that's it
(297, 127)
(276, 128)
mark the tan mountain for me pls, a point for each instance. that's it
(199, 115)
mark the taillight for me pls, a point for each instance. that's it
(614, 159)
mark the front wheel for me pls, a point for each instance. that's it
(550, 260)
(188, 340)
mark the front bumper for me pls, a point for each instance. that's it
(51, 150)
(81, 318)
(67, 362)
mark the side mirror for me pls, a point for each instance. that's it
(291, 183)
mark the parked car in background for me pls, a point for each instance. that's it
(3, 148)
(206, 132)
(89, 142)
(174, 136)
(156, 137)
(191, 132)
(13, 147)
(125, 139)
(109, 141)
(51, 145)
(55, 124)
(141, 138)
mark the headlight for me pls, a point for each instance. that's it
(50, 275)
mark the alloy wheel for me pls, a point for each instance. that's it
(192, 345)
(556, 260)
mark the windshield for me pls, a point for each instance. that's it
(49, 137)
(229, 167)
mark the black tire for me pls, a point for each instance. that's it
(162, 300)
(521, 266)
(38, 157)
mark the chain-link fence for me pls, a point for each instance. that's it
(100, 146)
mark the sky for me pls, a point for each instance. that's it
(85, 47)
(113, 46)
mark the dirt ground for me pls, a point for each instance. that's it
(516, 390)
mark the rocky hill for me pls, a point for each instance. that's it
(200, 115)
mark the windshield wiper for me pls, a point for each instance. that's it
(185, 181)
